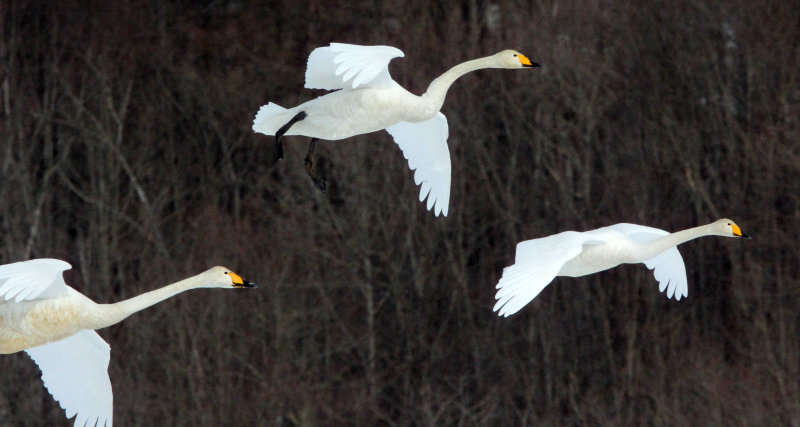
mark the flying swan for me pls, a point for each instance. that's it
(55, 325)
(575, 254)
(366, 99)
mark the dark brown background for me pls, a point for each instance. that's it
(126, 150)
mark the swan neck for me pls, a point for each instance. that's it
(660, 245)
(438, 88)
(111, 314)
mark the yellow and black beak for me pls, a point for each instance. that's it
(238, 282)
(738, 232)
(526, 62)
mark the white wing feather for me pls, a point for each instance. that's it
(537, 263)
(669, 270)
(668, 267)
(549, 247)
(424, 145)
(520, 284)
(75, 372)
(348, 66)
(34, 278)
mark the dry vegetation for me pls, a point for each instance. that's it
(126, 149)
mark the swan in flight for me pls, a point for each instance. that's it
(366, 99)
(574, 254)
(55, 325)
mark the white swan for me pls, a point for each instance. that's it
(369, 100)
(55, 325)
(575, 254)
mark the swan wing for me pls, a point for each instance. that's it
(537, 263)
(36, 278)
(75, 372)
(669, 270)
(348, 66)
(424, 145)
(668, 267)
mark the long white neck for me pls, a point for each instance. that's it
(110, 314)
(653, 248)
(437, 90)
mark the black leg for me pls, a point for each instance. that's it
(277, 152)
(319, 182)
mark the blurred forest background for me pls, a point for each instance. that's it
(127, 151)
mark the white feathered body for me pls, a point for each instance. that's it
(345, 113)
(575, 254)
(54, 324)
(366, 99)
(616, 248)
(32, 323)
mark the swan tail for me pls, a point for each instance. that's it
(270, 118)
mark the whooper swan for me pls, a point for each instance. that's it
(55, 325)
(574, 254)
(368, 101)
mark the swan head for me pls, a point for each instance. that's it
(728, 228)
(513, 59)
(221, 277)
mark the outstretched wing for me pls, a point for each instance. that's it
(424, 145)
(348, 66)
(75, 372)
(668, 267)
(32, 279)
(537, 263)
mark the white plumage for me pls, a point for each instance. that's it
(575, 254)
(366, 99)
(331, 67)
(55, 325)
(431, 162)
(75, 372)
